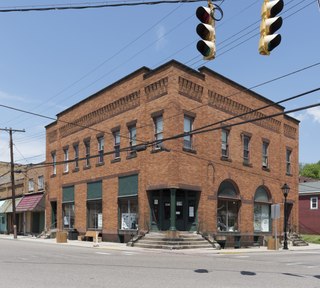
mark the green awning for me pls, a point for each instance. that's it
(128, 185)
(68, 194)
(94, 190)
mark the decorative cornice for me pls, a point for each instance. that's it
(112, 109)
(190, 89)
(157, 89)
(235, 108)
(290, 131)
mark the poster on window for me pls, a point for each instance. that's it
(265, 225)
(128, 221)
(100, 220)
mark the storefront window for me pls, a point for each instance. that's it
(68, 215)
(262, 220)
(228, 208)
(94, 214)
(128, 213)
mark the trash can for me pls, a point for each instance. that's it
(73, 234)
(237, 241)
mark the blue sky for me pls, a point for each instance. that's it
(52, 60)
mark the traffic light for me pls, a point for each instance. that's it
(206, 30)
(269, 25)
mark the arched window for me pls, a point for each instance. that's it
(262, 221)
(228, 207)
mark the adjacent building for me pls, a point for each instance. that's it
(123, 160)
(29, 199)
(309, 212)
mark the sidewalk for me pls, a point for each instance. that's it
(124, 247)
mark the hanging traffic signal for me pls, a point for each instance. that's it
(269, 25)
(206, 30)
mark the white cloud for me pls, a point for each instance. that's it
(302, 116)
(314, 113)
(161, 41)
(15, 98)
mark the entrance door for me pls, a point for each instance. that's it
(186, 210)
(53, 214)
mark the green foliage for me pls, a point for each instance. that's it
(311, 238)
(310, 170)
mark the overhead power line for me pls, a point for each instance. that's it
(79, 7)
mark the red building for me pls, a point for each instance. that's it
(309, 212)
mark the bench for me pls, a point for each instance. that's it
(91, 236)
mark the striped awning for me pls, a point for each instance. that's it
(31, 203)
(8, 205)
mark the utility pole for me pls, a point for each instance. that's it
(14, 218)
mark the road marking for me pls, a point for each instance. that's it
(242, 256)
(294, 263)
(130, 253)
(103, 253)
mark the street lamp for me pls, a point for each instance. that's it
(285, 190)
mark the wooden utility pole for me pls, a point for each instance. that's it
(14, 218)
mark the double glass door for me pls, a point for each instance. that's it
(185, 210)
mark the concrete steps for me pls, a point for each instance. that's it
(185, 240)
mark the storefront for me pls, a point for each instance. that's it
(174, 209)
(32, 209)
(128, 206)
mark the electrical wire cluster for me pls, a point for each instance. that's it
(118, 4)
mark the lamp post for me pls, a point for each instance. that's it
(285, 190)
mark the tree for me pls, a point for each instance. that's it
(310, 170)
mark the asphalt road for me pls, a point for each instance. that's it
(29, 264)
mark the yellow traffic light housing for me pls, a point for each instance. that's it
(269, 25)
(206, 30)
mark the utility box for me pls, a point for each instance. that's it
(61, 237)
(273, 244)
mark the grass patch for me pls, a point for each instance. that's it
(311, 238)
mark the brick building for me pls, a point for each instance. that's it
(29, 199)
(220, 182)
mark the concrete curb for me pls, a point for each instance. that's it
(124, 247)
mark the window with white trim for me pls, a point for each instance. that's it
(265, 160)
(31, 185)
(66, 160)
(116, 136)
(225, 143)
(187, 139)
(40, 182)
(314, 203)
(158, 131)
(246, 148)
(100, 149)
(54, 163)
(288, 161)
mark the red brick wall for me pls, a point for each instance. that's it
(176, 168)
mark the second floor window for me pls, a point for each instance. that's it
(40, 183)
(225, 143)
(132, 135)
(158, 131)
(31, 185)
(187, 139)
(54, 163)
(66, 160)
(246, 146)
(265, 148)
(100, 149)
(76, 156)
(288, 161)
(116, 136)
(87, 152)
